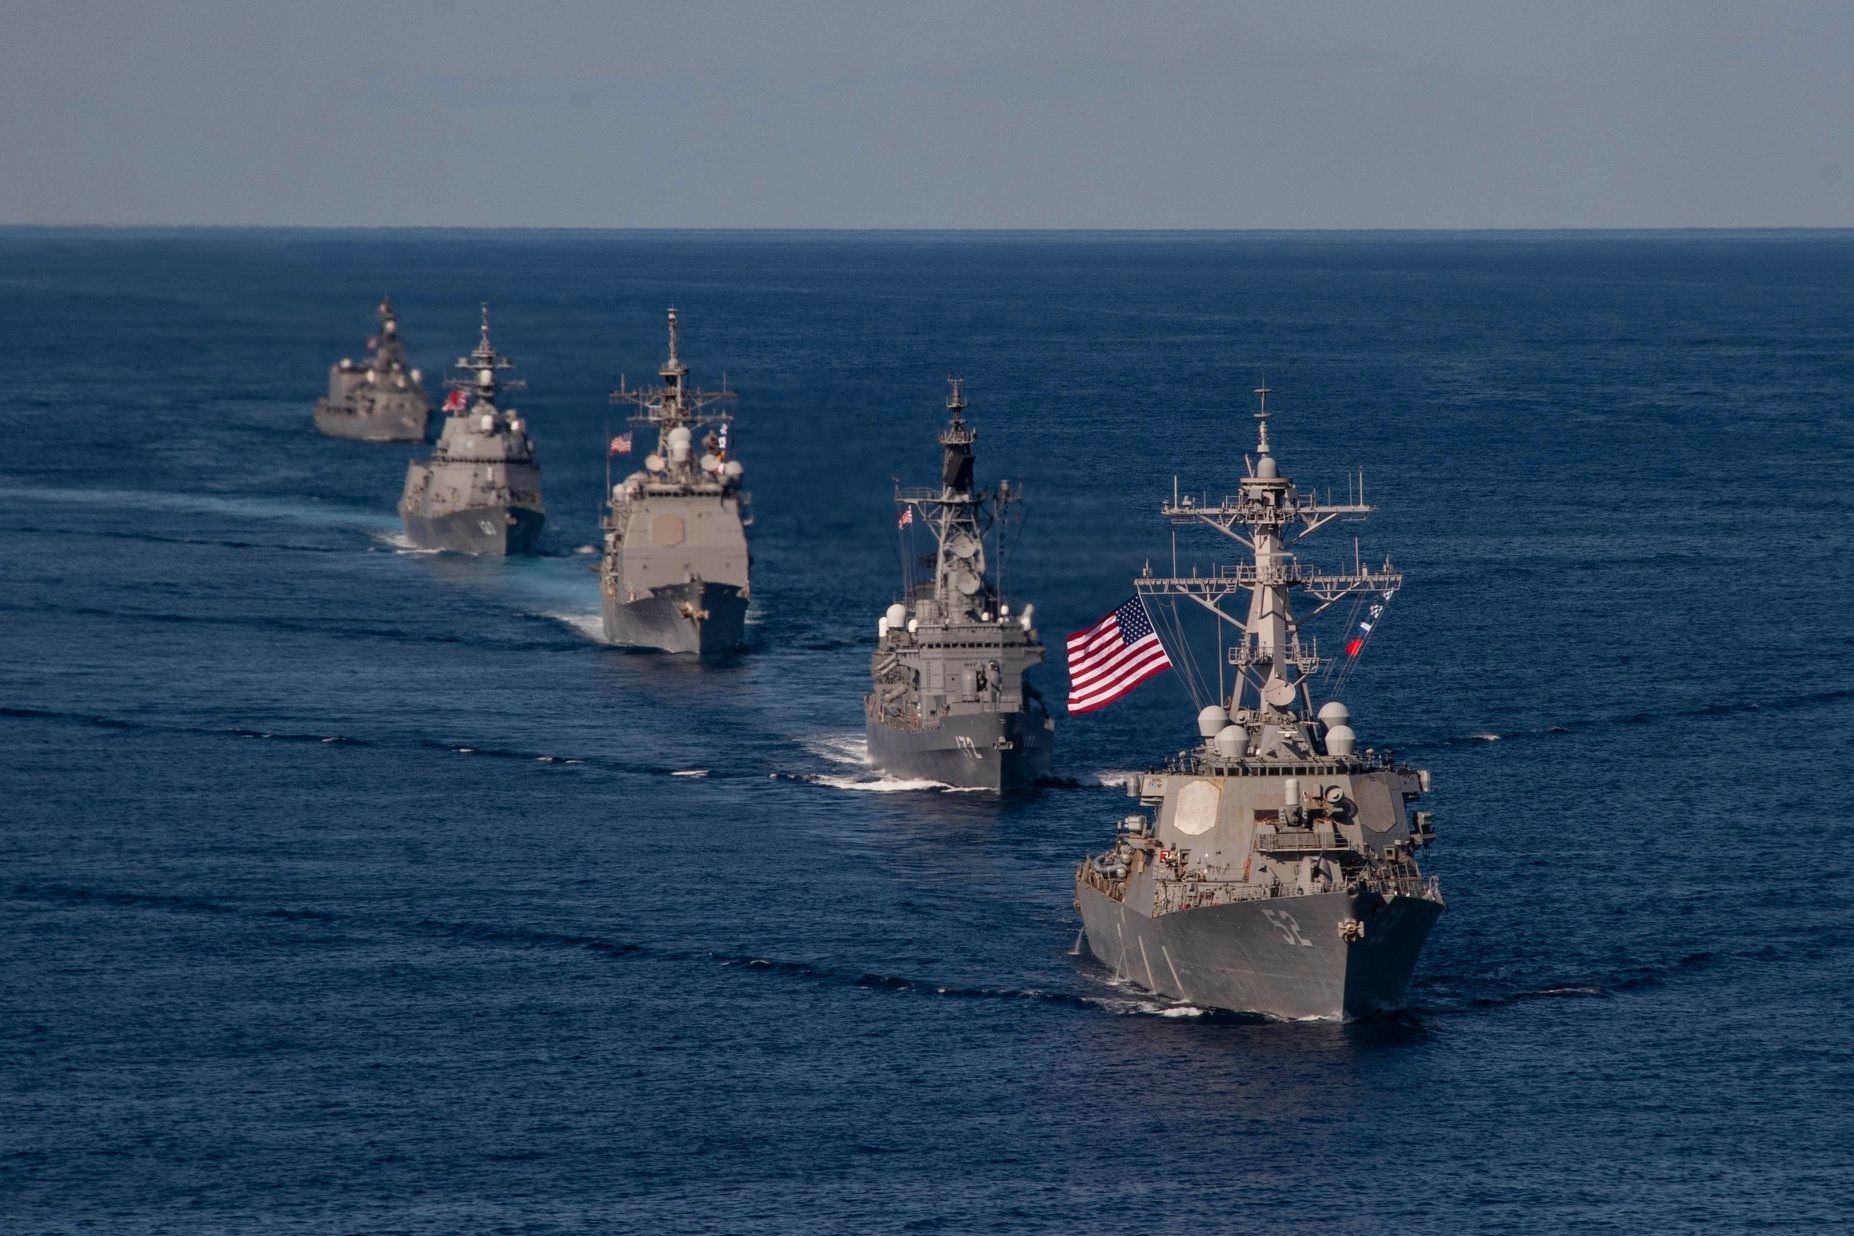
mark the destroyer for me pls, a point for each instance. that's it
(950, 702)
(1277, 872)
(480, 492)
(379, 401)
(675, 571)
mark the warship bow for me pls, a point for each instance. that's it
(480, 491)
(949, 700)
(675, 573)
(1276, 870)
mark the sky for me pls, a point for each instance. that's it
(928, 114)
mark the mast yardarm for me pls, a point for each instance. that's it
(1267, 516)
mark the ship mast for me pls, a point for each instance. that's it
(959, 516)
(1267, 516)
(673, 405)
(479, 370)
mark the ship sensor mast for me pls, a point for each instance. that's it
(960, 517)
(481, 368)
(1266, 516)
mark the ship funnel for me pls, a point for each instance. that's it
(1211, 720)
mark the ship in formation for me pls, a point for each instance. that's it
(949, 700)
(1275, 868)
(379, 399)
(675, 571)
(480, 490)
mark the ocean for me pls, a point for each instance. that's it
(345, 888)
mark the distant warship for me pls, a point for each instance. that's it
(1277, 871)
(380, 400)
(949, 700)
(480, 492)
(675, 571)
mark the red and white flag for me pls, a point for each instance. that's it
(1112, 657)
(1356, 644)
(621, 445)
(907, 517)
(454, 402)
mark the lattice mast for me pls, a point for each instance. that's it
(673, 404)
(961, 517)
(1273, 665)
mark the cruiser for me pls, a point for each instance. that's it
(675, 571)
(949, 700)
(1276, 871)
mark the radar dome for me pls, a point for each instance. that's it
(732, 470)
(488, 423)
(1332, 713)
(1268, 469)
(679, 434)
(1233, 742)
(1340, 740)
(897, 615)
(709, 463)
(1211, 720)
(653, 462)
(485, 377)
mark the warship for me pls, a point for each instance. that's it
(1276, 870)
(674, 574)
(380, 400)
(480, 492)
(949, 700)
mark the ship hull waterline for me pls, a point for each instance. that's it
(696, 617)
(409, 427)
(964, 752)
(1278, 956)
(490, 531)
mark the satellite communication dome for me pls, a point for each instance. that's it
(485, 377)
(1233, 742)
(732, 470)
(709, 463)
(653, 462)
(1268, 469)
(1211, 720)
(1340, 740)
(897, 614)
(1332, 713)
(488, 423)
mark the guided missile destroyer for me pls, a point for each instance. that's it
(1276, 872)
(949, 700)
(480, 492)
(675, 571)
(379, 400)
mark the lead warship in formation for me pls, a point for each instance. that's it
(480, 492)
(950, 701)
(1276, 872)
(379, 400)
(675, 571)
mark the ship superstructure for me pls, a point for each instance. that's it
(949, 701)
(1276, 869)
(480, 491)
(379, 399)
(675, 573)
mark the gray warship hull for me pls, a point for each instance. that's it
(1279, 956)
(980, 751)
(406, 425)
(496, 531)
(698, 617)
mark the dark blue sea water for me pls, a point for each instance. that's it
(355, 890)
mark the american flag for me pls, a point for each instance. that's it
(907, 517)
(1112, 657)
(454, 402)
(621, 445)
